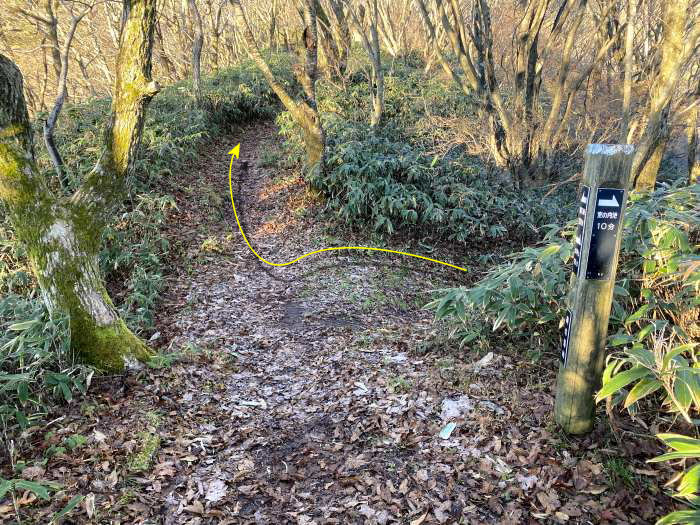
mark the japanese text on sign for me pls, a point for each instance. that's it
(606, 222)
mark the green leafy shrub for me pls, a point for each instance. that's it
(657, 342)
(664, 257)
(140, 267)
(40, 490)
(36, 365)
(15, 275)
(688, 484)
(657, 277)
(528, 290)
(374, 179)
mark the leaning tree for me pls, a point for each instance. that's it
(304, 111)
(681, 32)
(62, 234)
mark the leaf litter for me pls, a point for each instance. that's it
(315, 393)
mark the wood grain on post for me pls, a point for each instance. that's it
(603, 199)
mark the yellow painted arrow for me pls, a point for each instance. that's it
(235, 152)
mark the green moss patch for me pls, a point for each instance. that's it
(140, 461)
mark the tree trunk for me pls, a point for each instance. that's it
(197, 51)
(330, 49)
(50, 123)
(53, 37)
(314, 135)
(305, 113)
(342, 34)
(676, 50)
(527, 59)
(273, 26)
(216, 36)
(63, 237)
(371, 44)
(629, 64)
(170, 68)
(654, 142)
(378, 74)
(692, 131)
(45, 80)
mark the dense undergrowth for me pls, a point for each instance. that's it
(36, 366)
(407, 176)
(657, 279)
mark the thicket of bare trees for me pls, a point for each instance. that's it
(557, 47)
(546, 76)
(33, 34)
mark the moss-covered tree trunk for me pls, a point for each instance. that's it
(63, 235)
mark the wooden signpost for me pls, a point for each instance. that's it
(602, 204)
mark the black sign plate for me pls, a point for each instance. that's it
(580, 230)
(566, 333)
(606, 225)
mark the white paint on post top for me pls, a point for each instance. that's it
(610, 149)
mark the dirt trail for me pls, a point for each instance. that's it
(333, 407)
(318, 393)
(329, 415)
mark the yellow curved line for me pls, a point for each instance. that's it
(336, 248)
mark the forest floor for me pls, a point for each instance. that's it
(318, 393)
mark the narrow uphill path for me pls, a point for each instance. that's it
(319, 393)
(330, 415)
(336, 397)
